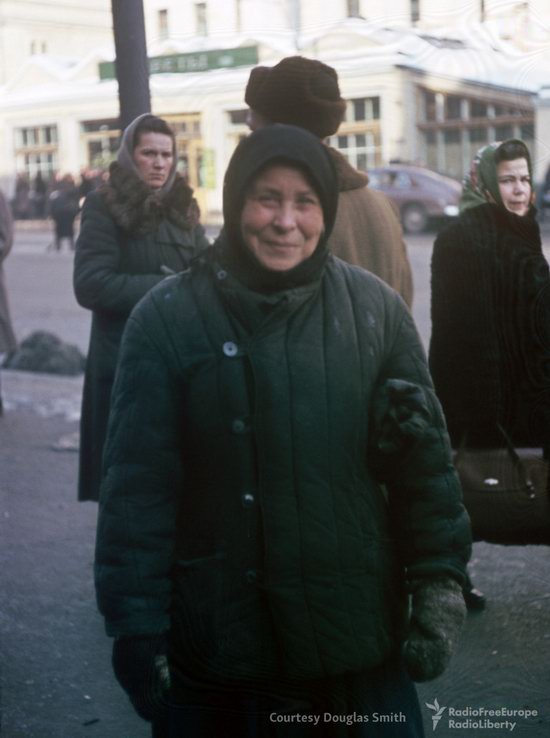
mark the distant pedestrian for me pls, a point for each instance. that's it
(135, 229)
(63, 207)
(39, 192)
(8, 342)
(21, 204)
(89, 180)
(305, 92)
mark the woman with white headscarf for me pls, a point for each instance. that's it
(135, 229)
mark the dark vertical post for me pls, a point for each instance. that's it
(132, 67)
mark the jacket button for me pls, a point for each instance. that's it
(221, 274)
(240, 426)
(251, 576)
(248, 500)
(230, 349)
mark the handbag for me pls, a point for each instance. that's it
(506, 493)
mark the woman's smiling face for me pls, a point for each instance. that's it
(282, 218)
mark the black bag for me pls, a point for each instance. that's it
(506, 493)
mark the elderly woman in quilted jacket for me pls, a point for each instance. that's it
(135, 229)
(278, 481)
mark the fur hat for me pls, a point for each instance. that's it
(300, 92)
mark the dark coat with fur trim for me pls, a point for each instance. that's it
(128, 232)
(490, 344)
(367, 231)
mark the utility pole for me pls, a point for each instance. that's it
(132, 67)
(296, 21)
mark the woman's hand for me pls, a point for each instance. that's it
(141, 668)
(438, 613)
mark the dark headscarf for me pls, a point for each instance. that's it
(483, 179)
(291, 146)
(125, 154)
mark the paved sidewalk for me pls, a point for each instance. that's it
(45, 394)
(56, 677)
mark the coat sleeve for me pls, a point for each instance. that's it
(99, 284)
(464, 353)
(141, 482)
(410, 453)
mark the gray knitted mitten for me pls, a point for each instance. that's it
(438, 613)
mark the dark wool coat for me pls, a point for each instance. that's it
(490, 344)
(367, 231)
(242, 504)
(8, 342)
(127, 234)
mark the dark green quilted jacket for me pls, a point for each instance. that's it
(276, 469)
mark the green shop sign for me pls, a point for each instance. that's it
(198, 61)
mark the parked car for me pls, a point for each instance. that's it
(420, 194)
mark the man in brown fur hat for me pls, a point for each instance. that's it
(305, 92)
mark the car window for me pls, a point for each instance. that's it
(402, 181)
(374, 180)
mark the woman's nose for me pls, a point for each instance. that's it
(285, 217)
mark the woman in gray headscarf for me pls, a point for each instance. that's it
(135, 229)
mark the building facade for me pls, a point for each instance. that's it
(421, 84)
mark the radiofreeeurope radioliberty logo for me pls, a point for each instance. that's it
(480, 718)
(438, 712)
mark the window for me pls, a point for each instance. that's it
(478, 109)
(200, 19)
(162, 18)
(503, 132)
(238, 117)
(362, 150)
(415, 11)
(453, 152)
(402, 181)
(429, 106)
(187, 130)
(453, 107)
(36, 150)
(353, 8)
(363, 108)
(431, 149)
(527, 132)
(478, 135)
(452, 135)
(102, 139)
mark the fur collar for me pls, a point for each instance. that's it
(137, 208)
(348, 177)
